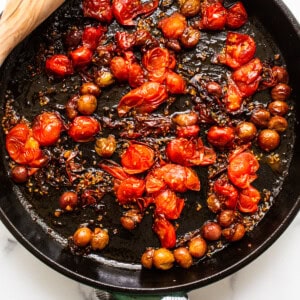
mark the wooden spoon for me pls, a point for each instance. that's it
(21, 17)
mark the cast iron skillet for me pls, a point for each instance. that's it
(281, 33)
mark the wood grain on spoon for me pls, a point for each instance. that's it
(20, 18)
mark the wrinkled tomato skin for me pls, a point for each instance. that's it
(119, 68)
(46, 128)
(248, 200)
(23, 148)
(136, 75)
(129, 189)
(84, 128)
(220, 137)
(91, 37)
(167, 204)
(173, 26)
(100, 10)
(239, 50)
(242, 169)
(59, 65)
(214, 17)
(233, 98)
(226, 191)
(236, 16)
(145, 98)
(165, 232)
(137, 158)
(247, 77)
(124, 40)
(81, 56)
(187, 131)
(175, 83)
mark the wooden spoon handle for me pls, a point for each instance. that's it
(19, 18)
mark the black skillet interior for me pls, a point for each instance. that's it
(29, 219)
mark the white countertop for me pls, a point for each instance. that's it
(274, 275)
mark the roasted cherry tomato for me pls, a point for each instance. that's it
(137, 158)
(175, 83)
(165, 232)
(226, 192)
(187, 131)
(167, 204)
(248, 200)
(100, 10)
(176, 177)
(143, 99)
(239, 49)
(59, 65)
(214, 16)
(125, 11)
(233, 98)
(173, 26)
(46, 128)
(190, 152)
(120, 68)
(247, 77)
(23, 148)
(220, 136)
(125, 40)
(242, 169)
(84, 128)
(236, 16)
(91, 36)
(81, 56)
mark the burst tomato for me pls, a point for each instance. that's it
(173, 26)
(187, 131)
(167, 204)
(91, 36)
(220, 136)
(236, 16)
(165, 232)
(59, 65)
(81, 56)
(213, 16)
(233, 98)
(248, 76)
(84, 128)
(248, 200)
(242, 169)
(143, 99)
(119, 68)
(239, 49)
(125, 40)
(23, 148)
(46, 128)
(175, 83)
(125, 11)
(100, 10)
(137, 158)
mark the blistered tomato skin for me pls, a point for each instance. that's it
(173, 27)
(81, 57)
(47, 128)
(220, 136)
(100, 10)
(214, 16)
(59, 65)
(84, 128)
(236, 16)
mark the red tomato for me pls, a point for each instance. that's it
(100, 10)
(242, 169)
(46, 128)
(84, 128)
(135, 75)
(220, 137)
(137, 158)
(127, 10)
(248, 200)
(239, 49)
(165, 232)
(91, 37)
(81, 56)
(23, 148)
(173, 26)
(248, 76)
(129, 189)
(233, 98)
(213, 16)
(178, 178)
(167, 204)
(187, 131)
(59, 65)
(125, 40)
(226, 192)
(144, 99)
(236, 16)
(119, 67)
(175, 83)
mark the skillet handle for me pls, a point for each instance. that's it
(102, 295)
(19, 18)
